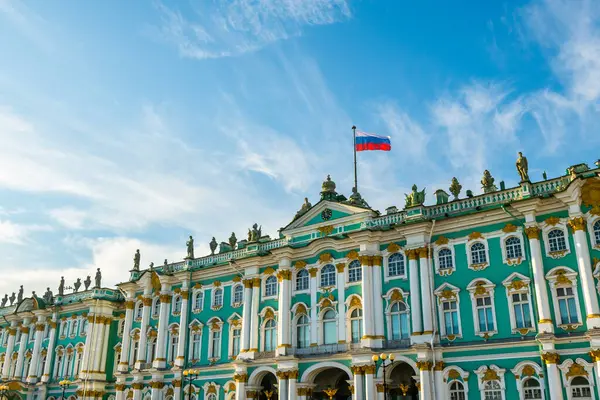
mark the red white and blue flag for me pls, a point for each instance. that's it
(368, 141)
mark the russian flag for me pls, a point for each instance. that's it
(368, 141)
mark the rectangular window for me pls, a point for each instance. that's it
(216, 344)
(356, 330)
(567, 305)
(521, 309)
(485, 316)
(196, 342)
(236, 342)
(450, 317)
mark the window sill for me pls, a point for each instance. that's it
(558, 254)
(513, 261)
(445, 271)
(216, 308)
(479, 267)
(265, 298)
(236, 305)
(197, 310)
(487, 334)
(395, 277)
(523, 331)
(303, 291)
(570, 327)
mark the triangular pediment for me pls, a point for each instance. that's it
(327, 212)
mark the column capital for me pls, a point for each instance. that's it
(412, 254)
(119, 387)
(357, 369)
(247, 283)
(439, 366)
(551, 358)
(577, 224)
(423, 252)
(129, 305)
(533, 232)
(256, 282)
(340, 267)
(240, 378)
(284, 274)
(380, 388)
(313, 272)
(147, 301)
(424, 365)
(595, 355)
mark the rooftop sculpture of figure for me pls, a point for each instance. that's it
(20, 295)
(48, 296)
(213, 246)
(487, 182)
(4, 300)
(136, 260)
(77, 285)
(98, 278)
(232, 240)
(415, 198)
(522, 167)
(61, 286)
(12, 298)
(190, 248)
(254, 233)
(87, 282)
(305, 207)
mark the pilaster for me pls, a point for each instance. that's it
(284, 277)
(314, 340)
(545, 323)
(341, 289)
(146, 310)
(22, 347)
(415, 293)
(10, 346)
(183, 325)
(50, 355)
(126, 341)
(163, 327)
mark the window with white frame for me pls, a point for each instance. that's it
(329, 324)
(478, 255)
(354, 271)
(457, 390)
(513, 248)
(211, 396)
(270, 335)
(121, 328)
(135, 345)
(173, 344)
(492, 390)
(356, 325)
(450, 317)
(556, 240)
(328, 275)
(302, 332)
(156, 307)
(78, 358)
(85, 325)
(63, 331)
(521, 309)
(445, 259)
(399, 321)
(139, 308)
(580, 388)
(177, 304)
(236, 334)
(196, 343)
(238, 294)
(302, 279)
(59, 363)
(485, 314)
(74, 327)
(567, 305)
(217, 298)
(26, 364)
(596, 230)
(532, 389)
(198, 300)
(215, 339)
(271, 286)
(396, 265)
(151, 349)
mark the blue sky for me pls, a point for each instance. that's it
(131, 125)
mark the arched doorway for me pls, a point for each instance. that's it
(401, 384)
(269, 387)
(332, 378)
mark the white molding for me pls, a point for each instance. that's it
(481, 384)
(436, 255)
(572, 276)
(591, 220)
(546, 229)
(520, 381)
(479, 266)
(503, 238)
(232, 302)
(490, 290)
(386, 262)
(440, 301)
(263, 284)
(567, 381)
(510, 291)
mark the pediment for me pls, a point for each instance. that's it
(327, 212)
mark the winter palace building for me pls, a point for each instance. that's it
(491, 297)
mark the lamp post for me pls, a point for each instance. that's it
(383, 358)
(190, 374)
(4, 391)
(64, 384)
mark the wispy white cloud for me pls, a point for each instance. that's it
(220, 28)
(404, 130)
(14, 233)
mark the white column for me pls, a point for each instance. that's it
(584, 263)
(370, 393)
(35, 356)
(241, 378)
(10, 346)
(314, 340)
(254, 328)
(50, 354)
(341, 289)
(367, 294)
(156, 390)
(425, 270)
(415, 292)
(104, 346)
(438, 379)
(163, 328)
(292, 384)
(378, 300)
(126, 341)
(284, 276)
(177, 391)
(554, 381)
(425, 378)
(359, 389)
(282, 385)
(99, 343)
(120, 391)
(183, 326)
(88, 348)
(380, 391)
(137, 391)
(539, 280)
(142, 345)
(246, 318)
(22, 347)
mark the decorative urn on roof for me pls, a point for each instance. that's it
(328, 190)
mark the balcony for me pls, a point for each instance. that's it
(397, 344)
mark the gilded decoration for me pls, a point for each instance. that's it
(269, 271)
(424, 365)
(517, 285)
(509, 228)
(577, 224)
(439, 366)
(447, 294)
(595, 355)
(325, 258)
(380, 388)
(355, 302)
(119, 387)
(230, 387)
(313, 272)
(478, 267)
(256, 282)
(269, 314)
(198, 286)
(326, 303)
(551, 358)
(165, 298)
(475, 235)
(301, 309)
(453, 374)
(155, 281)
(590, 195)
(157, 385)
(528, 370)
(423, 252)
(247, 283)
(237, 278)
(490, 375)
(369, 369)
(211, 389)
(147, 301)
(176, 383)
(215, 326)
(557, 254)
(393, 248)
(340, 267)
(552, 221)
(576, 370)
(137, 385)
(300, 264)
(396, 295)
(357, 370)
(284, 274)
(532, 232)
(412, 254)
(326, 230)
(480, 289)
(561, 278)
(442, 240)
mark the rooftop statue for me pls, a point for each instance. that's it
(98, 278)
(487, 182)
(48, 296)
(87, 282)
(190, 248)
(20, 295)
(12, 298)
(4, 300)
(77, 285)
(415, 198)
(356, 199)
(136, 260)
(61, 286)
(213, 246)
(522, 167)
(455, 188)
(254, 233)
(305, 207)
(232, 240)
(151, 266)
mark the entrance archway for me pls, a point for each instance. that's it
(400, 381)
(269, 387)
(328, 375)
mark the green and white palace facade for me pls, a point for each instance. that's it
(493, 296)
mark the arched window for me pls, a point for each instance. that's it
(85, 325)
(151, 353)
(270, 335)
(597, 232)
(271, 286)
(457, 391)
(478, 253)
(329, 327)
(156, 307)
(59, 363)
(238, 294)
(138, 310)
(532, 389)
(356, 325)
(173, 344)
(218, 297)
(196, 339)
(74, 326)
(27, 364)
(78, 357)
(445, 259)
(302, 280)
(198, 301)
(580, 388)
(211, 396)
(567, 305)
(328, 275)
(177, 304)
(513, 248)
(492, 390)
(42, 364)
(399, 319)
(121, 328)
(236, 334)
(302, 332)
(396, 265)
(556, 240)
(355, 271)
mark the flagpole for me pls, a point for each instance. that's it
(354, 147)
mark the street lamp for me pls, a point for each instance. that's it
(64, 384)
(4, 391)
(383, 358)
(190, 374)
